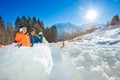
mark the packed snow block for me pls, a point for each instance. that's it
(25, 63)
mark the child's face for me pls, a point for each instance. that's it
(32, 32)
(24, 30)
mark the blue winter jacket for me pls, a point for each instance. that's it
(35, 39)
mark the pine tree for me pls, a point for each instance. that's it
(34, 21)
(34, 24)
(2, 24)
(115, 20)
(53, 34)
(41, 24)
(47, 34)
(23, 19)
(10, 33)
(17, 23)
(25, 22)
(37, 26)
(2, 31)
(30, 21)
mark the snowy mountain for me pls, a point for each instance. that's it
(65, 28)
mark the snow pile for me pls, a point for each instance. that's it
(94, 57)
(25, 63)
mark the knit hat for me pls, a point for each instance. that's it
(21, 28)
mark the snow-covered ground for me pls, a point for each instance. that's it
(95, 56)
(25, 63)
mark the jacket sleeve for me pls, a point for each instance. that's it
(18, 37)
(39, 39)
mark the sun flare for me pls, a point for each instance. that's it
(91, 15)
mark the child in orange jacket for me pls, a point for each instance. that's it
(23, 38)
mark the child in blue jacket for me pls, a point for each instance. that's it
(34, 38)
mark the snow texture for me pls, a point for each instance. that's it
(94, 57)
(25, 63)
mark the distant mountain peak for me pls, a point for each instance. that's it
(70, 29)
(67, 24)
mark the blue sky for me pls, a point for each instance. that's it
(59, 11)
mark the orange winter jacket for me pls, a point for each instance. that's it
(0, 46)
(23, 39)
